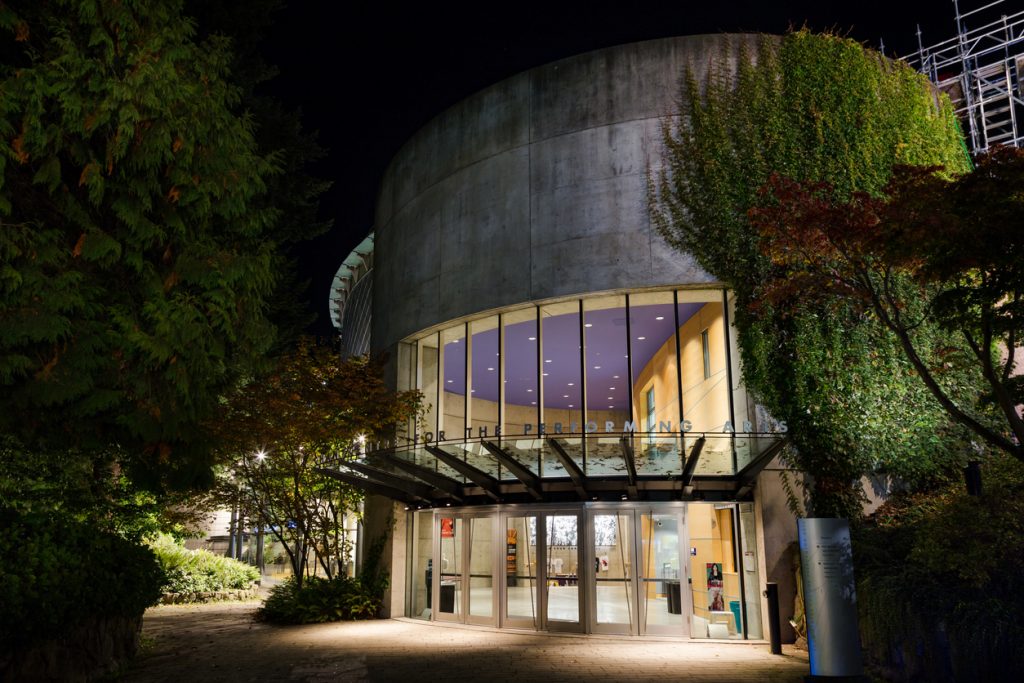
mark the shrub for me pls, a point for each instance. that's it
(940, 581)
(57, 574)
(320, 600)
(200, 571)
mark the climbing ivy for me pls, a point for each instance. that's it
(811, 107)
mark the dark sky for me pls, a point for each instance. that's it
(367, 75)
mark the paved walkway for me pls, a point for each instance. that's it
(220, 642)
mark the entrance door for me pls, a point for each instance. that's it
(482, 593)
(613, 606)
(520, 607)
(563, 599)
(448, 594)
(661, 574)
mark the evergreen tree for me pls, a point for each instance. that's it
(139, 244)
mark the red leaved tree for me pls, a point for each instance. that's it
(930, 249)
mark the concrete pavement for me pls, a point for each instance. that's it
(220, 642)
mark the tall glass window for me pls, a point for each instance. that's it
(606, 352)
(453, 388)
(422, 565)
(560, 368)
(653, 361)
(427, 367)
(704, 373)
(520, 351)
(485, 380)
(714, 579)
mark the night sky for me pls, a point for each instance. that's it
(368, 75)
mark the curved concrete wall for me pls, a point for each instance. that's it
(535, 188)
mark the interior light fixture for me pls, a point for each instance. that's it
(641, 338)
(545, 374)
(572, 384)
(490, 369)
(660, 317)
(597, 367)
(615, 376)
(529, 391)
(588, 325)
(533, 339)
(547, 360)
(565, 395)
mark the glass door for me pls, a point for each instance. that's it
(614, 607)
(520, 606)
(563, 603)
(481, 594)
(663, 582)
(448, 577)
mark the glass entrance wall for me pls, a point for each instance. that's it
(651, 362)
(677, 569)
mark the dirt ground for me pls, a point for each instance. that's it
(221, 642)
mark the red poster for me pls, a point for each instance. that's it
(447, 527)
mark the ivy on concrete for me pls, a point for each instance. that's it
(810, 107)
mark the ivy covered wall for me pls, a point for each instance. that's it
(811, 107)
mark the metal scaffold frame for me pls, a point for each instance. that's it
(980, 69)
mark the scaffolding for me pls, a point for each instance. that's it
(980, 69)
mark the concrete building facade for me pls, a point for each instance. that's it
(588, 459)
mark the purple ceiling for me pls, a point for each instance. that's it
(606, 362)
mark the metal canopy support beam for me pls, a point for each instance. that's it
(627, 456)
(439, 481)
(374, 487)
(416, 488)
(579, 480)
(748, 474)
(691, 461)
(485, 481)
(530, 480)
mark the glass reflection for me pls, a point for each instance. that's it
(485, 364)
(426, 371)
(521, 391)
(560, 368)
(453, 387)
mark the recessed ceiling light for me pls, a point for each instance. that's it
(450, 381)
(490, 369)
(641, 338)
(611, 398)
(597, 367)
(472, 391)
(545, 374)
(588, 325)
(571, 405)
(533, 339)
(615, 376)
(611, 406)
(455, 342)
(660, 317)
(533, 403)
(572, 384)
(565, 395)
(547, 360)
(611, 388)
(529, 391)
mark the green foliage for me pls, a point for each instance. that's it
(941, 574)
(57, 574)
(320, 600)
(337, 599)
(200, 571)
(813, 107)
(138, 248)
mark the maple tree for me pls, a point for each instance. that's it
(928, 249)
(279, 432)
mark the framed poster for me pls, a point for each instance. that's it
(447, 527)
(716, 601)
